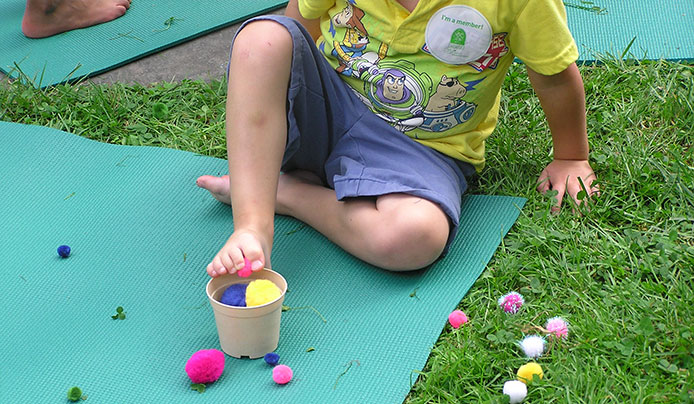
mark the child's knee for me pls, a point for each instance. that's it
(263, 38)
(412, 242)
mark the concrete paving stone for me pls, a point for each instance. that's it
(203, 58)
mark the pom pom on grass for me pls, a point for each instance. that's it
(64, 251)
(271, 358)
(246, 271)
(282, 374)
(511, 302)
(261, 291)
(525, 373)
(516, 390)
(205, 366)
(457, 318)
(533, 346)
(557, 327)
(235, 295)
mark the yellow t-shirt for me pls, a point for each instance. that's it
(436, 73)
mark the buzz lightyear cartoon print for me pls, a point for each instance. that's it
(408, 99)
(397, 92)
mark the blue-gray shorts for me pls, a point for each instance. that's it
(334, 135)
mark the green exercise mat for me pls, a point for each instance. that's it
(660, 29)
(141, 235)
(148, 27)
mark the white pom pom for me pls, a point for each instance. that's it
(516, 390)
(533, 346)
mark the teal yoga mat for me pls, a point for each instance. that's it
(140, 32)
(141, 235)
(660, 29)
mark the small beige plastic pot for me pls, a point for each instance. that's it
(247, 331)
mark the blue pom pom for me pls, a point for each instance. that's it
(64, 251)
(235, 295)
(271, 358)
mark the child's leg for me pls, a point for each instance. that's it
(394, 231)
(389, 200)
(256, 135)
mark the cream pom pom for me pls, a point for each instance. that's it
(533, 346)
(516, 390)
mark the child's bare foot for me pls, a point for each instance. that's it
(254, 246)
(44, 18)
(218, 187)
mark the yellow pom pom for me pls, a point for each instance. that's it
(526, 372)
(261, 291)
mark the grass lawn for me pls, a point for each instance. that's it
(621, 273)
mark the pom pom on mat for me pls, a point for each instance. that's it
(271, 358)
(282, 374)
(205, 366)
(64, 251)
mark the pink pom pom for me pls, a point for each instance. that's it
(511, 302)
(457, 318)
(205, 366)
(282, 374)
(246, 271)
(557, 327)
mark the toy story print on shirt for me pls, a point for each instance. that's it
(412, 99)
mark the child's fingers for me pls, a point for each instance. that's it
(561, 190)
(543, 183)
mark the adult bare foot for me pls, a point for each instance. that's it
(44, 18)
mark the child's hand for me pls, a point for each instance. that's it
(562, 176)
(230, 259)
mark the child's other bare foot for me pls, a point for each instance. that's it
(43, 18)
(217, 186)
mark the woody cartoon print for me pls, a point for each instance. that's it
(396, 90)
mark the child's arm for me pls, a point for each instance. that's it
(312, 26)
(563, 100)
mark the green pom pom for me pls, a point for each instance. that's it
(74, 394)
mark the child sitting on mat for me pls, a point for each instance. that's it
(376, 112)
